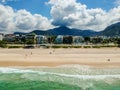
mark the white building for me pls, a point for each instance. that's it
(9, 37)
(1, 36)
(78, 39)
(59, 39)
(40, 39)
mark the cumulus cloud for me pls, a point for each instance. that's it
(42, 22)
(64, 13)
(21, 20)
(76, 15)
(24, 20)
(6, 20)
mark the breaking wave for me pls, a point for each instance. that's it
(76, 76)
(81, 72)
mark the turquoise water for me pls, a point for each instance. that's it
(72, 77)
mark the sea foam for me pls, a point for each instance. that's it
(6, 70)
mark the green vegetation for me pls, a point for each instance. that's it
(112, 30)
(108, 46)
(56, 46)
(46, 46)
(30, 42)
(3, 44)
(87, 40)
(51, 39)
(96, 40)
(67, 40)
(76, 46)
(118, 42)
(15, 46)
(65, 46)
(86, 46)
(96, 46)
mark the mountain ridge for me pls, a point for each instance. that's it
(112, 30)
(63, 31)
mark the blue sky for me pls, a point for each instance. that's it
(40, 6)
(33, 6)
(104, 4)
(27, 15)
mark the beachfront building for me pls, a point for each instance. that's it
(67, 39)
(78, 39)
(40, 39)
(1, 36)
(96, 40)
(59, 39)
(10, 38)
(30, 38)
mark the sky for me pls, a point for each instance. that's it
(29, 15)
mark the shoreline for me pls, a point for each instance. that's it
(103, 57)
(48, 64)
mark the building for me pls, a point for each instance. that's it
(1, 36)
(59, 39)
(78, 39)
(67, 40)
(40, 39)
(10, 37)
(30, 38)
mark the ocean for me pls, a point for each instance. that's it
(66, 77)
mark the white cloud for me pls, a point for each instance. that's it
(6, 18)
(42, 22)
(64, 13)
(21, 20)
(117, 2)
(76, 15)
(3, 1)
(24, 20)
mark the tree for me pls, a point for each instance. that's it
(67, 40)
(87, 40)
(23, 40)
(3, 44)
(30, 39)
(105, 41)
(97, 40)
(118, 42)
(51, 39)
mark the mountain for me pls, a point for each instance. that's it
(20, 33)
(73, 32)
(40, 32)
(112, 30)
(66, 31)
(63, 31)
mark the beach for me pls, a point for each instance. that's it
(103, 57)
(60, 69)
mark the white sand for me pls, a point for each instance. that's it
(54, 57)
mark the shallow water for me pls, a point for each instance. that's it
(72, 77)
